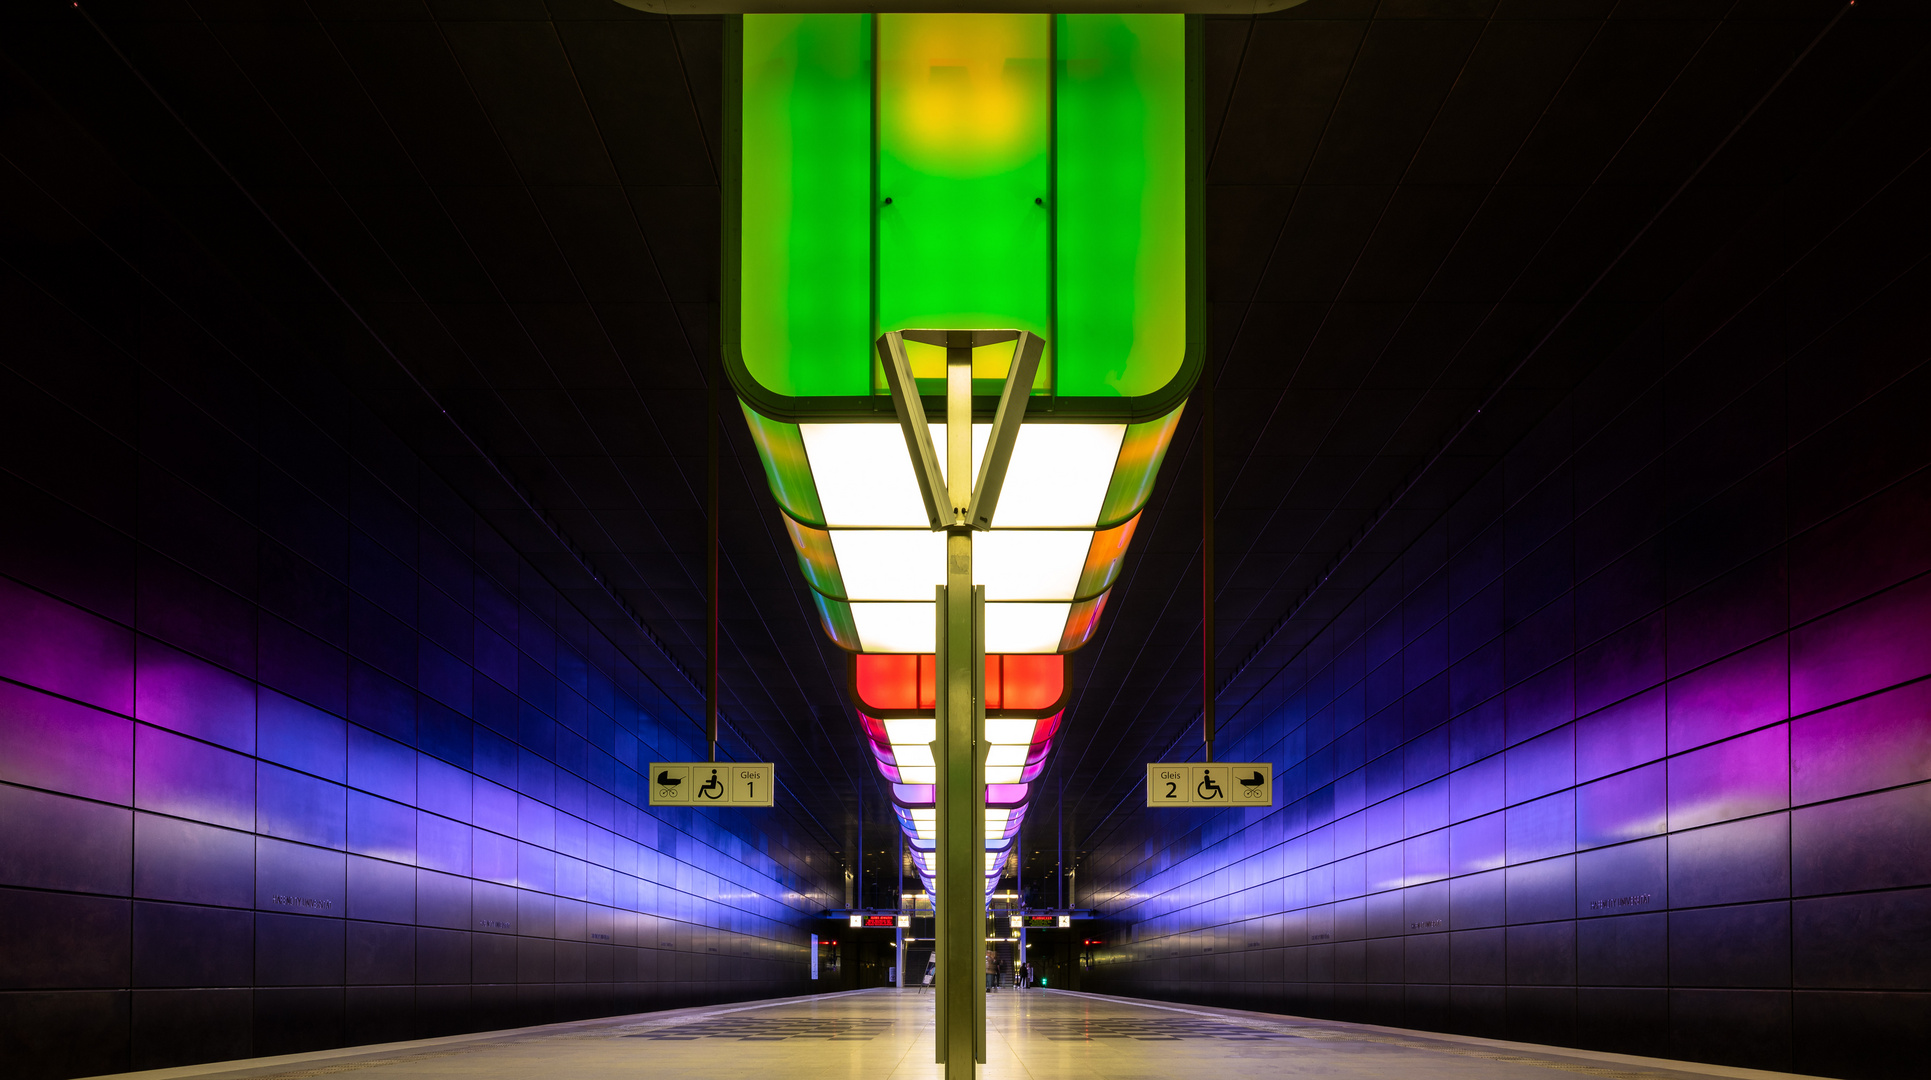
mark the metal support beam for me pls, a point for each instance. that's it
(912, 422)
(1005, 427)
(898, 912)
(1206, 396)
(711, 511)
(961, 774)
(958, 502)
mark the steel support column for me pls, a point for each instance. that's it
(961, 920)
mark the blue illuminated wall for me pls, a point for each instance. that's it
(1630, 750)
(295, 752)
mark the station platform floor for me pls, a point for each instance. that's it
(887, 1035)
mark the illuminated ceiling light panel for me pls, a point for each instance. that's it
(1001, 731)
(1058, 475)
(1040, 564)
(898, 628)
(1062, 201)
(863, 476)
(1025, 628)
(891, 564)
(924, 730)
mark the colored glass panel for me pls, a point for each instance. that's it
(1141, 452)
(1006, 794)
(905, 682)
(836, 617)
(1081, 621)
(781, 447)
(816, 558)
(1121, 134)
(963, 158)
(1103, 558)
(887, 680)
(1032, 681)
(805, 230)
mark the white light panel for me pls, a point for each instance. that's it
(1020, 628)
(895, 564)
(1058, 475)
(901, 628)
(915, 730)
(1010, 628)
(913, 754)
(863, 473)
(906, 564)
(1000, 730)
(1000, 755)
(1024, 565)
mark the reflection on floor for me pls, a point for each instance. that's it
(887, 1035)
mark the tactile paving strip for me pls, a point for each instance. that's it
(771, 1029)
(1148, 1029)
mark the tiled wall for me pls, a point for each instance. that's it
(296, 752)
(1631, 750)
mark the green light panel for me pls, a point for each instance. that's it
(1122, 215)
(786, 468)
(817, 559)
(836, 615)
(805, 273)
(963, 157)
(1141, 452)
(1036, 168)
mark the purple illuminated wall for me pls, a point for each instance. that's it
(295, 752)
(1630, 750)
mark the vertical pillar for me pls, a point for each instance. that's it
(898, 911)
(961, 920)
(711, 553)
(1207, 564)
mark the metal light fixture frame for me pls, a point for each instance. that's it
(960, 504)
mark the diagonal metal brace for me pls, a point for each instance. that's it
(918, 436)
(1005, 428)
(1028, 349)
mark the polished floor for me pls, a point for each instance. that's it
(887, 1035)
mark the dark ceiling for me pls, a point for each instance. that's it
(1428, 219)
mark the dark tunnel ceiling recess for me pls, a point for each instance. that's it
(1415, 212)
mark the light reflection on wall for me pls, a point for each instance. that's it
(296, 752)
(1592, 766)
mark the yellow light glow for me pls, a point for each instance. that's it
(969, 85)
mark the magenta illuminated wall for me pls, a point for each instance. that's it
(295, 752)
(1632, 750)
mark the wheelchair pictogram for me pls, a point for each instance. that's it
(712, 789)
(1208, 790)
